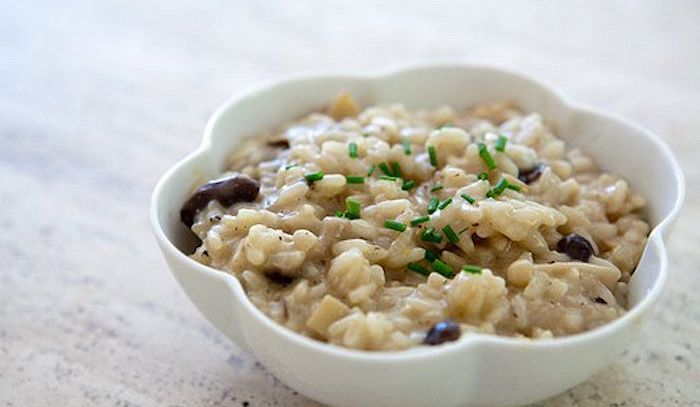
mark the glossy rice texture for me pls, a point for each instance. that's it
(309, 264)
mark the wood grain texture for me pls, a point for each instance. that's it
(99, 98)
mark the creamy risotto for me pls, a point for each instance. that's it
(385, 228)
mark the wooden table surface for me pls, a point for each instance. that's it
(99, 98)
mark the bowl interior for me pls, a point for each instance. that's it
(618, 147)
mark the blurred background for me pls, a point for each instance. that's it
(99, 98)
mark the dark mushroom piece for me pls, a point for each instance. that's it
(576, 247)
(281, 143)
(228, 191)
(279, 278)
(443, 331)
(531, 175)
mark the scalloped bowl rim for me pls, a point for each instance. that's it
(553, 92)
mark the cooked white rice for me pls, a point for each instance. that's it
(347, 282)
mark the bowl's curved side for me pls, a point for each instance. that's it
(217, 295)
(485, 370)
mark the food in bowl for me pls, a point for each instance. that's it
(385, 228)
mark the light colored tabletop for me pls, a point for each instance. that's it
(99, 98)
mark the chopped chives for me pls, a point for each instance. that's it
(419, 220)
(483, 176)
(468, 198)
(498, 189)
(429, 235)
(433, 204)
(486, 156)
(355, 179)
(501, 143)
(445, 203)
(418, 269)
(451, 235)
(443, 268)
(426, 234)
(365, 134)
(352, 209)
(371, 170)
(501, 185)
(395, 169)
(436, 188)
(463, 230)
(406, 146)
(392, 224)
(387, 178)
(315, 176)
(513, 187)
(493, 193)
(468, 268)
(431, 256)
(352, 149)
(339, 214)
(385, 169)
(408, 185)
(433, 156)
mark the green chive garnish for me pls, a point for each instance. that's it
(339, 214)
(513, 187)
(486, 156)
(443, 268)
(451, 235)
(385, 169)
(408, 185)
(352, 149)
(433, 204)
(501, 143)
(463, 230)
(483, 176)
(431, 256)
(418, 269)
(352, 209)
(429, 235)
(468, 198)
(501, 186)
(436, 188)
(392, 224)
(426, 234)
(371, 170)
(445, 203)
(419, 220)
(433, 156)
(395, 169)
(365, 134)
(355, 179)
(387, 178)
(406, 146)
(498, 189)
(468, 268)
(316, 176)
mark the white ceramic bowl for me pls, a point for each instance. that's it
(477, 370)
